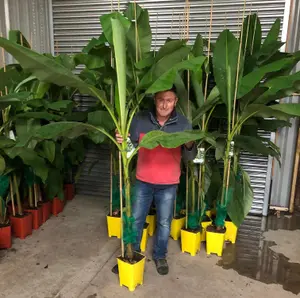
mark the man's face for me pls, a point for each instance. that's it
(165, 103)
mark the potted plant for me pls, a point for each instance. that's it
(157, 73)
(33, 207)
(248, 87)
(5, 227)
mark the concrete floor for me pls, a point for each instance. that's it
(71, 256)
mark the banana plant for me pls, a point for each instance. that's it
(248, 92)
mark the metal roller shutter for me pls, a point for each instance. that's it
(75, 22)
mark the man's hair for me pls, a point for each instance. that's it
(172, 89)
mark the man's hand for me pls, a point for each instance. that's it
(119, 138)
(189, 145)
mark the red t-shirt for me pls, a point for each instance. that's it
(159, 165)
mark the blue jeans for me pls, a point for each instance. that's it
(163, 196)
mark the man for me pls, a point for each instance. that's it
(158, 172)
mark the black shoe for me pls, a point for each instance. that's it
(162, 266)
(115, 269)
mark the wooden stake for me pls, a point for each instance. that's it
(208, 57)
(187, 196)
(238, 67)
(295, 175)
(121, 204)
(111, 188)
(35, 195)
(12, 196)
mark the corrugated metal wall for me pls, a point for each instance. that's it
(75, 22)
(287, 137)
(31, 17)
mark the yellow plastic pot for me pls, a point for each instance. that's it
(190, 242)
(144, 238)
(176, 226)
(131, 275)
(231, 231)
(114, 226)
(151, 220)
(215, 243)
(204, 225)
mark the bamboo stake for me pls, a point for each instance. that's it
(252, 46)
(111, 155)
(121, 204)
(295, 175)
(12, 196)
(111, 175)
(136, 34)
(155, 40)
(238, 67)
(35, 194)
(187, 196)
(234, 104)
(172, 23)
(208, 56)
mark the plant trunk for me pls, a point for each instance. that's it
(36, 194)
(20, 209)
(193, 188)
(30, 197)
(129, 250)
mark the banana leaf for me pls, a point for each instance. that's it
(240, 205)
(172, 140)
(225, 65)
(141, 43)
(256, 145)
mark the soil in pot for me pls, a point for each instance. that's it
(5, 236)
(214, 229)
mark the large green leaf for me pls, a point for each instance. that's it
(249, 81)
(13, 99)
(272, 124)
(2, 165)
(256, 145)
(273, 34)
(170, 54)
(6, 142)
(54, 184)
(141, 43)
(25, 128)
(225, 64)
(251, 41)
(48, 150)
(260, 110)
(39, 115)
(212, 100)
(90, 61)
(101, 119)
(18, 37)
(30, 158)
(60, 105)
(71, 130)
(172, 140)
(44, 68)
(106, 24)
(120, 57)
(239, 207)
(198, 46)
(167, 79)
(292, 109)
